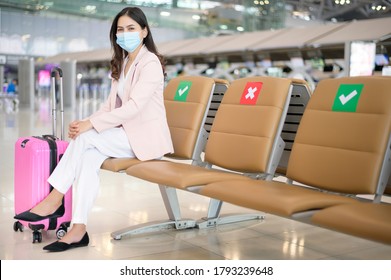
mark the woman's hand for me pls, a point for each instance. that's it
(78, 127)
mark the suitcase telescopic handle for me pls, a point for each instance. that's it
(54, 101)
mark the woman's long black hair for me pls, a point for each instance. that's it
(138, 16)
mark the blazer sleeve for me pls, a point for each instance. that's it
(149, 79)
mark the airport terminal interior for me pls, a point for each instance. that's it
(307, 40)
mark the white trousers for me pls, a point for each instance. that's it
(81, 163)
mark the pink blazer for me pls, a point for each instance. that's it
(142, 115)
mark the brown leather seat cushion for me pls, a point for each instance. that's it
(179, 175)
(272, 197)
(119, 164)
(367, 220)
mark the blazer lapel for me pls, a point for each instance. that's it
(132, 71)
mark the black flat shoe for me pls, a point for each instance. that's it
(31, 217)
(59, 246)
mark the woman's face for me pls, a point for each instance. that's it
(127, 24)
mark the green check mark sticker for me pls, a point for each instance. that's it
(347, 97)
(182, 91)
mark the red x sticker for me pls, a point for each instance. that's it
(251, 93)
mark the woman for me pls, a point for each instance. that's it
(132, 123)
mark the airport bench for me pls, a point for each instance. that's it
(244, 142)
(341, 151)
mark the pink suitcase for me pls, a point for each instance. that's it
(35, 159)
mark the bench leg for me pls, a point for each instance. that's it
(214, 218)
(175, 221)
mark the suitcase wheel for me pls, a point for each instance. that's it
(61, 232)
(37, 236)
(18, 226)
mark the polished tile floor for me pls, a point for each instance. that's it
(125, 201)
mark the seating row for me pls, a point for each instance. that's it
(337, 150)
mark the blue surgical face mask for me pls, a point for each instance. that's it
(129, 41)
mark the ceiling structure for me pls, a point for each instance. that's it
(228, 17)
(326, 41)
(342, 10)
(321, 10)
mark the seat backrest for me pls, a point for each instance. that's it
(187, 100)
(300, 96)
(343, 141)
(245, 135)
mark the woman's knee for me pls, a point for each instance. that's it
(86, 137)
(92, 158)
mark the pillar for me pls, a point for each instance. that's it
(26, 84)
(347, 54)
(1, 77)
(69, 82)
